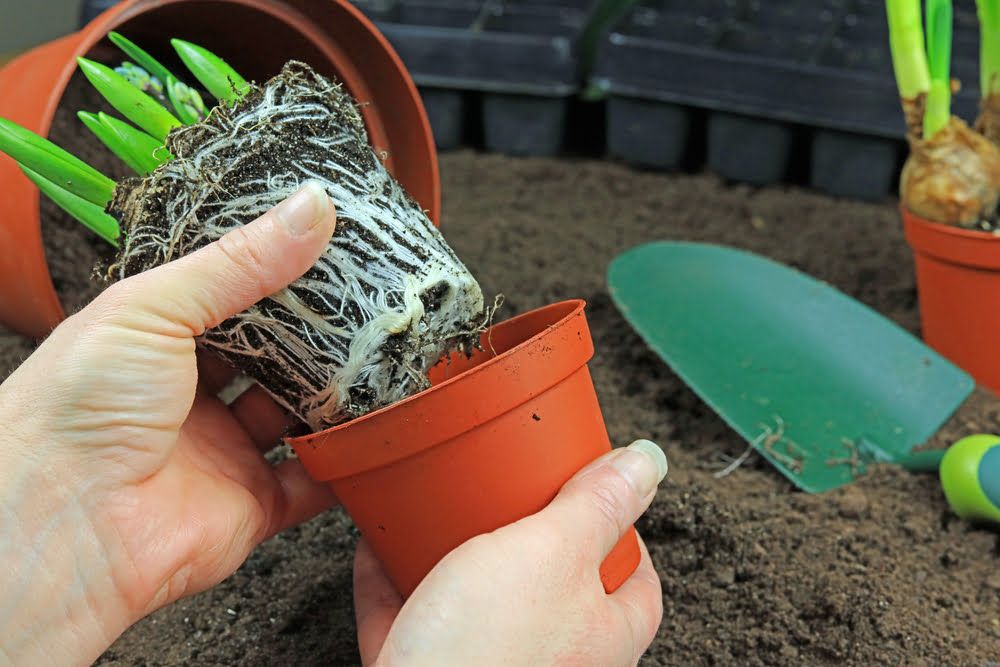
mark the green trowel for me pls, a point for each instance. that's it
(819, 384)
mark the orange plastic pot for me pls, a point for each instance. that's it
(491, 442)
(331, 35)
(958, 287)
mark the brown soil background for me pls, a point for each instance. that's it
(754, 572)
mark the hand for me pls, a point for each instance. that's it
(529, 593)
(125, 483)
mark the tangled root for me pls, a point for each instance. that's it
(386, 300)
(953, 177)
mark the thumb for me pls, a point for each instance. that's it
(595, 508)
(200, 290)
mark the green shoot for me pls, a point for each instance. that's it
(215, 74)
(135, 105)
(906, 41)
(149, 151)
(938, 111)
(133, 147)
(54, 164)
(89, 214)
(141, 57)
(989, 46)
(81, 190)
(186, 101)
(143, 80)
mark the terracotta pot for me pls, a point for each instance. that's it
(492, 441)
(958, 286)
(331, 35)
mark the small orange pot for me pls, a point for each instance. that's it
(331, 35)
(492, 441)
(958, 286)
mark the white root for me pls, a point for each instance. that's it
(384, 302)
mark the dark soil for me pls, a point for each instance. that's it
(753, 571)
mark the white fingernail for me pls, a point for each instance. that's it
(304, 210)
(656, 453)
(643, 465)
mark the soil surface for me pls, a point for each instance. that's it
(754, 572)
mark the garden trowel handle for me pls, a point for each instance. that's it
(928, 460)
(970, 477)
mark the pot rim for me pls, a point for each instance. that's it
(415, 424)
(969, 248)
(946, 229)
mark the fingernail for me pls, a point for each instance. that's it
(304, 210)
(643, 465)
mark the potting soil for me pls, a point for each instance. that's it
(753, 571)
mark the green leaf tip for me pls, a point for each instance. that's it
(89, 214)
(140, 56)
(55, 164)
(187, 103)
(218, 77)
(150, 152)
(133, 147)
(132, 103)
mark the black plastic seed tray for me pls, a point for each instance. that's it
(378, 10)
(91, 9)
(771, 74)
(513, 63)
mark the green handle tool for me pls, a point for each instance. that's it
(970, 477)
(969, 472)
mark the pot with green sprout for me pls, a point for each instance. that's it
(950, 185)
(385, 301)
(354, 348)
(952, 174)
(333, 36)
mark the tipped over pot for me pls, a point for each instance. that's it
(332, 36)
(492, 441)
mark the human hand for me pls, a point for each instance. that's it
(528, 593)
(125, 482)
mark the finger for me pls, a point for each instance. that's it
(376, 603)
(263, 419)
(197, 292)
(595, 508)
(214, 374)
(300, 497)
(640, 604)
